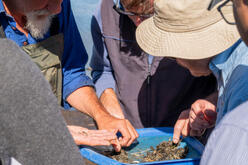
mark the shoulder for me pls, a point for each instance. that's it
(6, 44)
(106, 9)
(65, 8)
(236, 88)
(237, 117)
(239, 56)
(104, 12)
(65, 3)
(227, 143)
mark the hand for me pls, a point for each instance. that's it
(129, 134)
(202, 115)
(194, 121)
(182, 126)
(83, 136)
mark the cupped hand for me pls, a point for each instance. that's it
(202, 115)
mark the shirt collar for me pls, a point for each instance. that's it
(223, 64)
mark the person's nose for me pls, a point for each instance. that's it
(54, 6)
(138, 21)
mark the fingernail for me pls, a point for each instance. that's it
(175, 140)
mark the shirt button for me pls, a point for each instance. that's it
(14, 28)
(25, 43)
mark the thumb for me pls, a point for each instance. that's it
(210, 115)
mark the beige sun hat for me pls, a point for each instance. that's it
(187, 29)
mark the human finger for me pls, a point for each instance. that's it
(210, 115)
(192, 117)
(199, 124)
(186, 128)
(208, 121)
(125, 135)
(197, 119)
(197, 132)
(97, 141)
(83, 138)
(116, 144)
(196, 114)
(178, 128)
(133, 133)
(134, 130)
(197, 106)
(76, 129)
(103, 134)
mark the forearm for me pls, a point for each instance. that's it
(85, 100)
(111, 103)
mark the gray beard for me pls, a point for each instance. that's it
(37, 27)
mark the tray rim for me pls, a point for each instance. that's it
(144, 132)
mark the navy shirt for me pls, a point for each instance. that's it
(74, 57)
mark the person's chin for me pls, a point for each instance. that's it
(245, 39)
(42, 17)
(200, 74)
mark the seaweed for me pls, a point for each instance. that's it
(164, 151)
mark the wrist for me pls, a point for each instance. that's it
(100, 114)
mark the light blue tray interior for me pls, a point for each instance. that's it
(150, 137)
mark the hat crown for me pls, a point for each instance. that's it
(185, 15)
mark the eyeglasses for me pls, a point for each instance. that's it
(119, 9)
(213, 3)
(220, 7)
(228, 20)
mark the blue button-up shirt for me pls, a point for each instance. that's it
(231, 70)
(74, 57)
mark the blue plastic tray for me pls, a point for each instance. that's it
(151, 137)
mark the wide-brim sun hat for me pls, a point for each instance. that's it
(187, 29)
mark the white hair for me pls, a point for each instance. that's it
(38, 26)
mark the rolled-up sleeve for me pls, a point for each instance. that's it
(102, 72)
(74, 56)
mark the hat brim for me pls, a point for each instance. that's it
(197, 44)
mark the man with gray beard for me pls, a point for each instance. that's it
(47, 32)
(38, 27)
